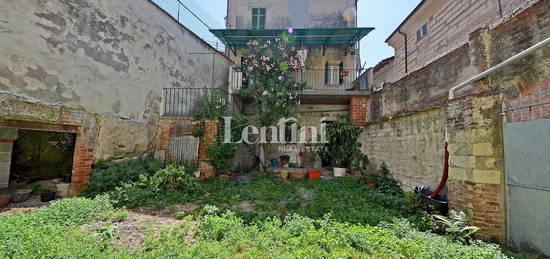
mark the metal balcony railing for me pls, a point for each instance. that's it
(186, 102)
(314, 80)
(326, 79)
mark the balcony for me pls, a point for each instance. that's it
(318, 83)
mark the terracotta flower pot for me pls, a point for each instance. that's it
(313, 174)
(373, 185)
(5, 197)
(297, 175)
(362, 181)
(356, 173)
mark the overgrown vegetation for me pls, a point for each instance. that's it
(106, 177)
(52, 232)
(220, 234)
(259, 216)
(167, 186)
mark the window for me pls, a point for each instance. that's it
(422, 32)
(258, 18)
(332, 75)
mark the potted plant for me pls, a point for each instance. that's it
(360, 165)
(342, 145)
(356, 168)
(371, 180)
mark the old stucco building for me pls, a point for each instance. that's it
(95, 69)
(435, 28)
(327, 30)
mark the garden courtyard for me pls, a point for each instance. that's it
(160, 210)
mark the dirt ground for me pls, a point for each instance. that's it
(33, 203)
(132, 231)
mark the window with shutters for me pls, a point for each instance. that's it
(258, 18)
(333, 75)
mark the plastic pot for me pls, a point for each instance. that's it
(284, 174)
(439, 203)
(313, 174)
(47, 196)
(21, 195)
(339, 172)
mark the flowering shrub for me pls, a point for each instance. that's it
(268, 67)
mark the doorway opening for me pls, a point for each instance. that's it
(42, 161)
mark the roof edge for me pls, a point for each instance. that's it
(407, 19)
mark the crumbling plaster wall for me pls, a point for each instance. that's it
(109, 58)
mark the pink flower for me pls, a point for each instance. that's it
(290, 30)
(265, 93)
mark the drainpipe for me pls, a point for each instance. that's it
(500, 8)
(497, 67)
(406, 52)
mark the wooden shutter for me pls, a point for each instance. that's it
(326, 73)
(341, 71)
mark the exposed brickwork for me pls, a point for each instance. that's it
(530, 95)
(358, 110)
(169, 128)
(210, 133)
(399, 116)
(476, 178)
(484, 201)
(73, 121)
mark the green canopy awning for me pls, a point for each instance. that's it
(325, 37)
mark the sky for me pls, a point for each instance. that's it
(383, 15)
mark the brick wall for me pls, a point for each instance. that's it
(210, 133)
(476, 170)
(358, 110)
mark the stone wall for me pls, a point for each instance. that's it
(98, 69)
(407, 120)
(412, 146)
